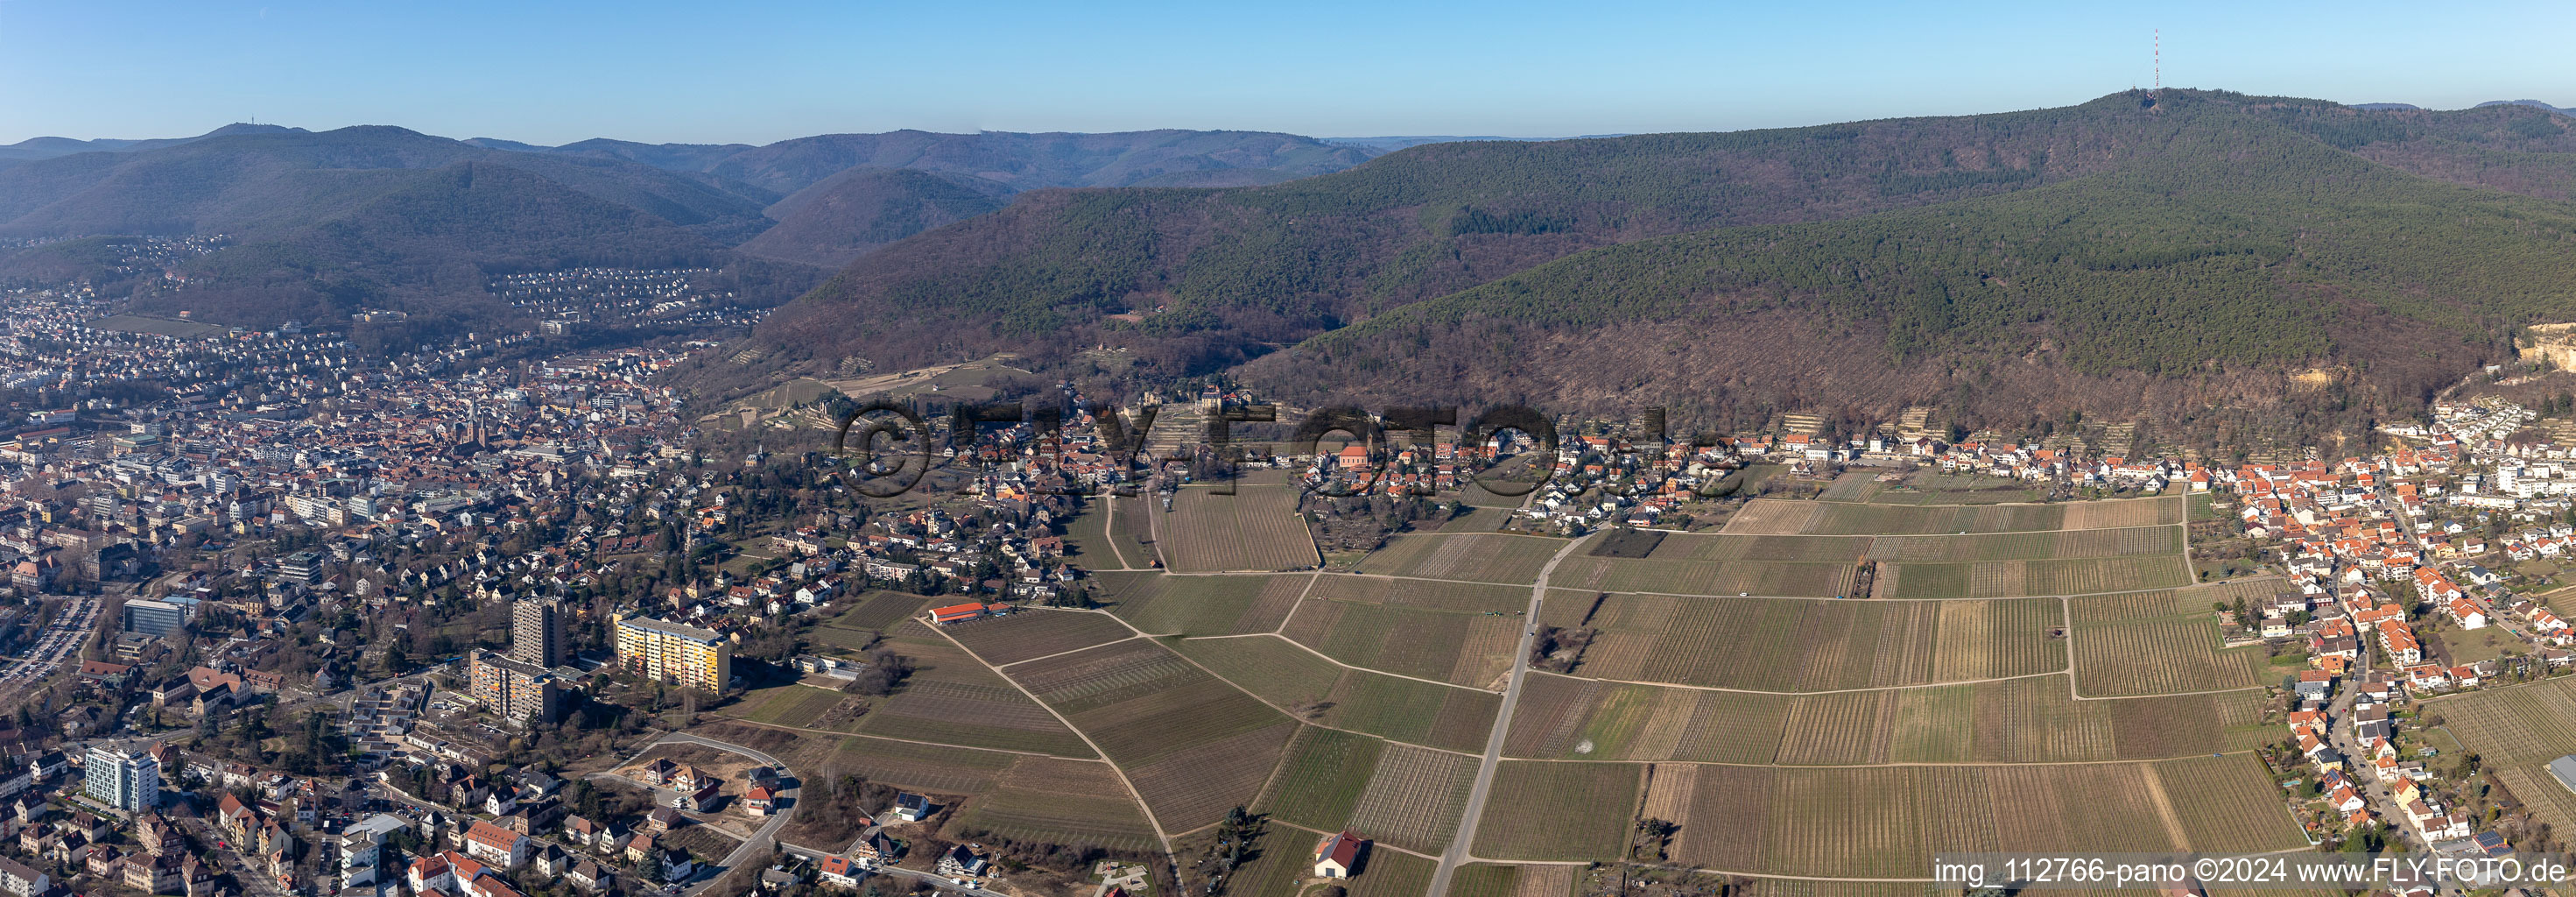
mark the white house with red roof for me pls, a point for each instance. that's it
(1338, 855)
(496, 845)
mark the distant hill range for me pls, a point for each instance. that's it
(2536, 104)
(1391, 144)
(310, 211)
(2213, 254)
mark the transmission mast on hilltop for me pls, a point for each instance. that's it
(2157, 62)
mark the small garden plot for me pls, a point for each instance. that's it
(1201, 605)
(1559, 811)
(705, 842)
(1031, 633)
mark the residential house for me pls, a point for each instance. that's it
(496, 845)
(962, 861)
(1339, 855)
(837, 871)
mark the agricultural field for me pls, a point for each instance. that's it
(919, 767)
(2061, 576)
(1470, 649)
(2096, 543)
(1887, 821)
(1496, 880)
(2189, 601)
(1784, 645)
(1465, 597)
(975, 714)
(1193, 745)
(1935, 488)
(1200, 605)
(1478, 557)
(1045, 800)
(1769, 516)
(1406, 796)
(1131, 533)
(2517, 731)
(2122, 646)
(1257, 528)
(1321, 779)
(1564, 718)
(788, 705)
(1415, 798)
(1270, 667)
(1087, 540)
(158, 326)
(2031, 720)
(1852, 486)
(1035, 632)
(1787, 579)
(953, 699)
(1459, 719)
(879, 610)
(1559, 811)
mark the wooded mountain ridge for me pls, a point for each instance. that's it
(308, 211)
(2114, 255)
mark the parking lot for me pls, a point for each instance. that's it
(60, 640)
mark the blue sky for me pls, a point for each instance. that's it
(553, 72)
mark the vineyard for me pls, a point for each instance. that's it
(1477, 557)
(1031, 633)
(1257, 528)
(1558, 811)
(1769, 644)
(1200, 605)
(1459, 648)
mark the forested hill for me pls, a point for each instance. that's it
(2127, 247)
(1216, 273)
(830, 197)
(2216, 260)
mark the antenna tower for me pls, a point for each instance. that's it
(2160, 60)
